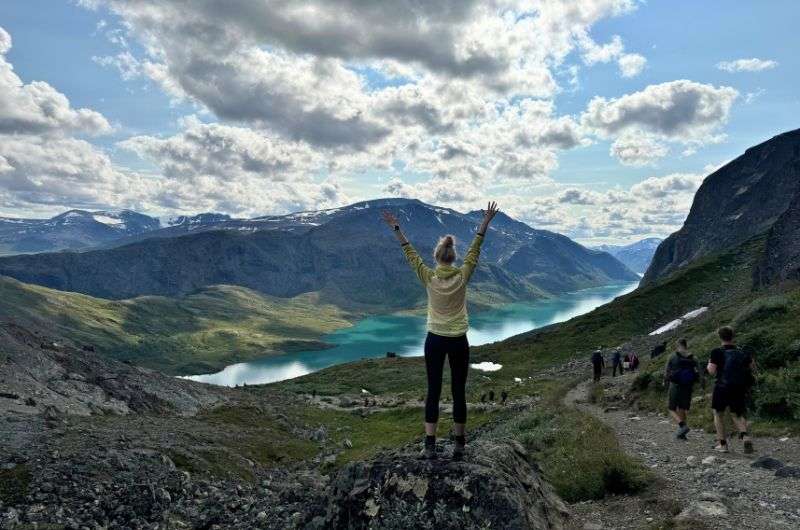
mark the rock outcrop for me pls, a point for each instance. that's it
(741, 200)
(40, 374)
(494, 487)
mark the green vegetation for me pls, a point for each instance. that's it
(14, 484)
(637, 313)
(579, 455)
(198, 333)
(766, 325)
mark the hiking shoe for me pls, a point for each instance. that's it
(748, 447)
(428, 452)
(459, 449)
(721, 448)
(682, 432)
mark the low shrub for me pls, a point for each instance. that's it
(777, 394)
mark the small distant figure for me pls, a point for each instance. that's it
(598, 363)
(616, 362)
(680, 376)
(503, 397)
(634, 360)
(483, 397)
(366, 402)
(314, 393)
(733, 369)
(390, 355)
(658, 350)
(491, 396)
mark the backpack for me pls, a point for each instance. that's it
(685, 376)
(736, 372)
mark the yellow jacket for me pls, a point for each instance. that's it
(447, 290)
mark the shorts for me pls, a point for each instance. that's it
(680, 396)
(732, 398)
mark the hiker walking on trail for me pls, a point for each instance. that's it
(616, 363)
(680, 376)
(598, 363)
(733, 369)
(447, 325)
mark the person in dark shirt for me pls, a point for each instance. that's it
(616, 362)
(733, 369)
(680, 375)
(598, 363)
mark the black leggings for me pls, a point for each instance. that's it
(457, 351)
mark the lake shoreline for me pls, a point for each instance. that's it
(404, 333)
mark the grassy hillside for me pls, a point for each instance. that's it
(197, 333)
(766, 322)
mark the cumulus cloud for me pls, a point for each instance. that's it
(577, 196)
(631, 64)
(37, 107)
(638, 149)
(238, 170)
(61, 171)
(747, 65)
(660, 187)
(679, 110)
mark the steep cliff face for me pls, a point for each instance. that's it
(781, 258)
(739, 201)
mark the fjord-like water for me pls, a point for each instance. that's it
(405, 335)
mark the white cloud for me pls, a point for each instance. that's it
(578, 196)
(38, 108)
(638, 149)
(631, 64)
(128, 66)
(747, 65)
(679, 110)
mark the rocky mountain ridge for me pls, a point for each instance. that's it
(74, 229)
(741, 200)
(346, 254)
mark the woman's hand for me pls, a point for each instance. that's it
(390, 219)
(488, 214)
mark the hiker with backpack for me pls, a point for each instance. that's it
(733, 369)
(616, 362)
(598, 363)
(680, 376)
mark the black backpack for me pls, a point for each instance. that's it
(736, 372)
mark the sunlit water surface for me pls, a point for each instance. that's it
(405, 334)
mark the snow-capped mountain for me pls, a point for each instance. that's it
(71, 230)
(346, 254)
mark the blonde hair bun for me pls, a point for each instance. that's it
(445, 251)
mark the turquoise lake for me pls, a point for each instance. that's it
(405, 334)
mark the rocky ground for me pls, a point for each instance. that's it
(87, 443)
(696, 487)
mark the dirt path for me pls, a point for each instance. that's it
(715, 490)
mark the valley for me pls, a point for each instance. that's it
(337, 448)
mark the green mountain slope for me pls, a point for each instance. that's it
(197, 333)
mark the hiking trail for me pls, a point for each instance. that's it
(704, 488)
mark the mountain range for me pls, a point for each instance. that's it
(345, 254)
(636, 256)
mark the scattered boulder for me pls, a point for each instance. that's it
(701, 509)
(766, 462)
(494, 486)
(709, 461)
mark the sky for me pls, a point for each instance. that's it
(598, 119)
